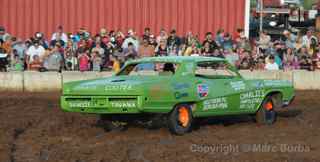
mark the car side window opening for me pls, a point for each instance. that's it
(150, 69)
(214, 70)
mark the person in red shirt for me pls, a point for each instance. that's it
(84, 61)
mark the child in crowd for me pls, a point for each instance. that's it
(84, 61)
(290, 60)
(306, 63)
(71, 60)
(96, 61)
(16, 63)
(260, 65)
(36, 63)
(271, 63)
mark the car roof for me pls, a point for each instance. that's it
(176, 59)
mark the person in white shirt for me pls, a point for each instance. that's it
(35, 50)
(131, 38)
(62, 35)
(271, 65)
(307, 39)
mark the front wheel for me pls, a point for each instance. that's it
(266, 113)
(180, 119)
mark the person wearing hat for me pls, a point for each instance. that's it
(58, 40)
(60, 34)
(3, 34)
(39, 36)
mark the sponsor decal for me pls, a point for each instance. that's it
(86, 87)
(179, 95)
(203, 90)
(94, 83)
(118, 104)
(276, 82)
(238, 85)
(124, 87)
(258, 84)
(179, 86)
(216, 103)
(249, 100)
(79, 104)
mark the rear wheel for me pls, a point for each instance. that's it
(180, 119)
(266, 113)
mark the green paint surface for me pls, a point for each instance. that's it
(208, 95)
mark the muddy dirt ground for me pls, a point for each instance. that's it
(34, 129)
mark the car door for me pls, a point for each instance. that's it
(217, 89)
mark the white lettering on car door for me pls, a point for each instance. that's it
(216, 103)
(249, 100)
(237, 85)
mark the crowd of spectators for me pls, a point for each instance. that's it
(108, 50)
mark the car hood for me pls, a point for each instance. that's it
(116, 85)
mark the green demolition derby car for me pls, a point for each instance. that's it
(175, 91)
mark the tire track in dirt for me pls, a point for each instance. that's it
(16, 134)
(34, 129)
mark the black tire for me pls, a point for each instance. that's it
(265, 116)
(174, 125)
(108, 124)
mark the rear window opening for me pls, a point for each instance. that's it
(150, 69)
(214, 70)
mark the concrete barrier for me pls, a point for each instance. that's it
(12, 81)
(42, 82)
(247, 74)
(52, 81)
(306, 80)
(106, 74)
(69, 76)
(285, 75)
